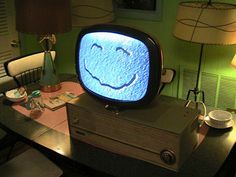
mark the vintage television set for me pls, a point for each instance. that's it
(118, 65)
(121, 67)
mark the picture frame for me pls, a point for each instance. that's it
(139, 9)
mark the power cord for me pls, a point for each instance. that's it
(204, 109)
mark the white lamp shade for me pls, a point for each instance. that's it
(233, 62)
(204, 23)
(91, 12)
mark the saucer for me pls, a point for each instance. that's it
(211, 124)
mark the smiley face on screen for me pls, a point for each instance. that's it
(114, 65)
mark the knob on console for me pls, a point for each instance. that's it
(168, 157)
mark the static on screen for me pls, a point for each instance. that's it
(114, 66)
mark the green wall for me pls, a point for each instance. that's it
(177, 53)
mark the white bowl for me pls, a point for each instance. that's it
(220, 116)
(15, 96)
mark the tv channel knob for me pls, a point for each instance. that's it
(167, 157)
(75, 121)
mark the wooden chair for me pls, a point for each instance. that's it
(26, 69)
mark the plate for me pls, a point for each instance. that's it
(14, 95)
(211, 124)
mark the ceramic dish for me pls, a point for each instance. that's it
(15, 96)
(219, 126)
(220, 116)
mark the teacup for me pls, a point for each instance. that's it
(220, 117)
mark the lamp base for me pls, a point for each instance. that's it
(49, 81)
(50, 88)
(196, 92)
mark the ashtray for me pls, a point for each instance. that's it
(14, 95)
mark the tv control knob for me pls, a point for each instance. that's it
(76, 121)
(168, 157)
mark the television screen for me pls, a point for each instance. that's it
(118, 65)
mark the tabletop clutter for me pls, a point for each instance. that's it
(35, 102)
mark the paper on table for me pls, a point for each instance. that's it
(53, 104)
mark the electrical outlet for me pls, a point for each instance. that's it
(167, 75)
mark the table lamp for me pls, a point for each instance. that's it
(205, 23)
(44, 18)
(233, 62)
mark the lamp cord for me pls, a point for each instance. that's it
(204, 110)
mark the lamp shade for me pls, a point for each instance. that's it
(43, 16)
(233, 62)
(206, 23)
(91, 12)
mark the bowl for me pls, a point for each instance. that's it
(15, 96)
(220, 116)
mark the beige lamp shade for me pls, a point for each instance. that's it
(91, 12)
(206, 23)
(233, 62)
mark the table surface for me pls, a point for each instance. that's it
(205, 161)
